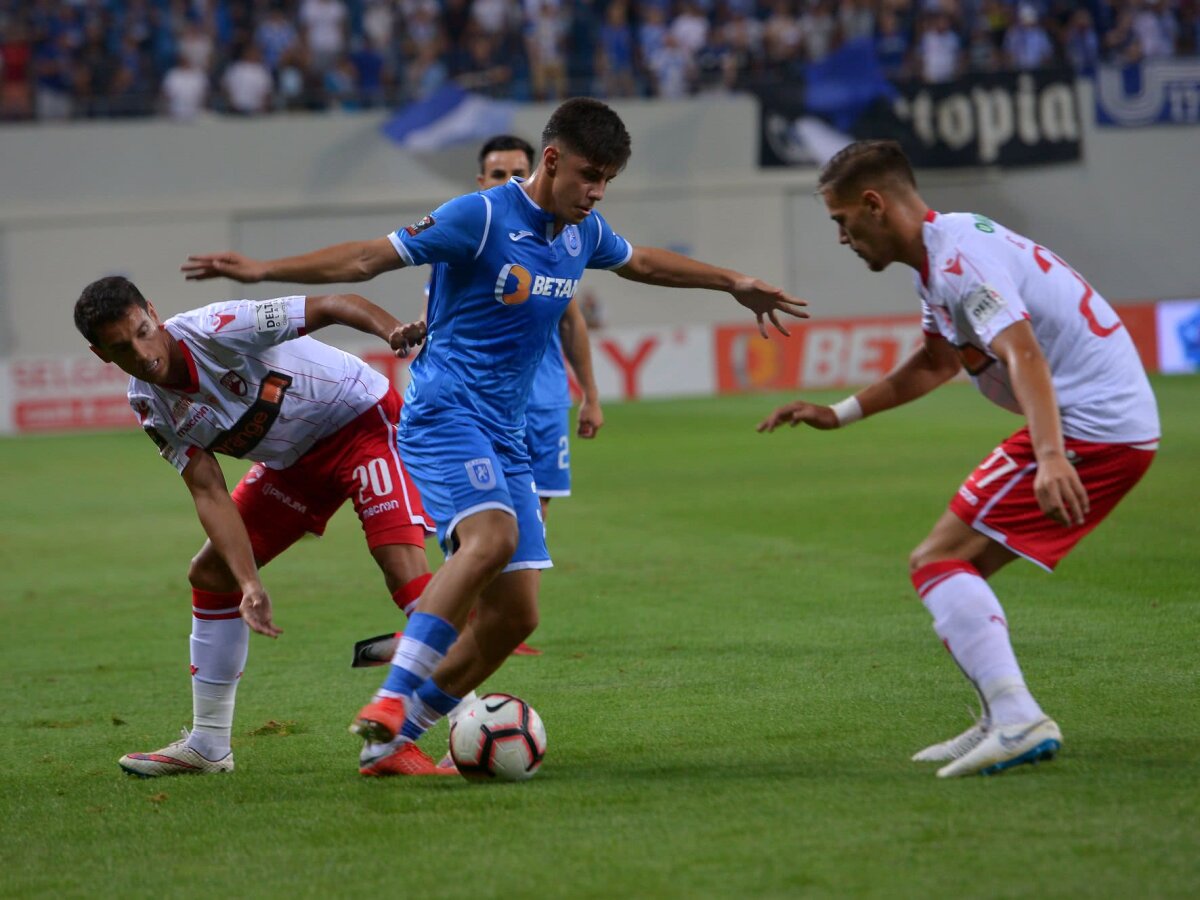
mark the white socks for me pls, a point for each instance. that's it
(219, 649)
(969, 620)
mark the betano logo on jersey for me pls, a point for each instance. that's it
(515, 285)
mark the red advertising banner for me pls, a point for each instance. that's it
(837, 353)
(67, 395)
(826, 354)
(1142, 324)
(77, 393)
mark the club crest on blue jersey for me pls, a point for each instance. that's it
(479, 471)
(570, 240)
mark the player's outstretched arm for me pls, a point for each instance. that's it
(801, 412)
(225, 529)
(653, 265)
(353, 261)
(359, 313)
(578, 349)
(1060, 493)
(930, 365)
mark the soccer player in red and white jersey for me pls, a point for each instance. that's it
(242, 379)
(1037, 340)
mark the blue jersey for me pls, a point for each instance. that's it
(501, 281)
(550, 389)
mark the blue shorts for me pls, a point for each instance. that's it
(460, 470)
(546, 438)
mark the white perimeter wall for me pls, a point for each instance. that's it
(80, 201)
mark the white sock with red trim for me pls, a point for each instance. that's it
(219, 645)
(970, 621)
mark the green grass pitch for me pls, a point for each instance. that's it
(736, 672)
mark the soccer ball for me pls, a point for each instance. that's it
(498, 737)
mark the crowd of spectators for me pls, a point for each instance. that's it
(64, 59)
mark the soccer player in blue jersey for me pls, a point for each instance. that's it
(547, 429)
(506, 262)
(547, 425)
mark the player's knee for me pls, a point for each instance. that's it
(504, 543)
(200, 572)
(524, 622)
(924, 554)
(492, 550)
(208, 572)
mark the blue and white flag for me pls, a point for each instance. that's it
(447, 117)
(842, 85)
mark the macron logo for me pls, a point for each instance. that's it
(223, 319)
(517, 235)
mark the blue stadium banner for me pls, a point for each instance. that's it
(1001, 119)
(1178, 336)
(1155, 92)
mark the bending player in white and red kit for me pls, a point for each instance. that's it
(1036, 339)
(240, 378)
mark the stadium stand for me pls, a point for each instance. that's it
(79, 59)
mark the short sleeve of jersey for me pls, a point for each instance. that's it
(928, 322)
(452, 233)
(246, 323)
(152, 419)
(611, 250)
(988, 297)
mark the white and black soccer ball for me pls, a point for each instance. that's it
(498, 737)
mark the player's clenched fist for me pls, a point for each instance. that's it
(793, 414)
(591, 418)
(407, 337)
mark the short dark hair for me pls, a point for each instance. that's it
(852, 167)
(103, 301)
(503, 142)
(592, 130)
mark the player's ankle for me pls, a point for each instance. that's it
(209, 744)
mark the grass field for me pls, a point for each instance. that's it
(736, 671)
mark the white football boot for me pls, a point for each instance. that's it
(955, 747)
(1006, 746)
(174, 759)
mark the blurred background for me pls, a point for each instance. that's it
(72, 59)
(135, 132)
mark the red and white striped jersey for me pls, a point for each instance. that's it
(258, 389)
(981, 277)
